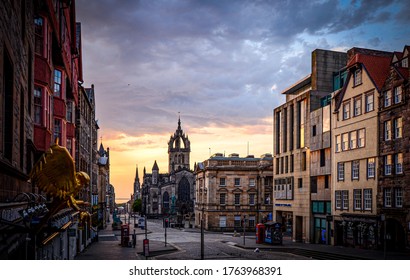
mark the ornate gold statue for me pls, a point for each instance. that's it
(55, 174)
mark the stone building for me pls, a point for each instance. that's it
(171, 193)
(393, 192)
(232, 190)
(355, 149)
(293, 195)
(17, 150)
(101, 203)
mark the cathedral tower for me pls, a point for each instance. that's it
(179, 149)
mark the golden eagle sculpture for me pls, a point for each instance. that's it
(54, 173)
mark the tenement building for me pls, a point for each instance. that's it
(295, 200)
(171, 193)
(355, 149)
(393, 193)
(233, 192)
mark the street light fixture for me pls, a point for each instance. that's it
(202, 233)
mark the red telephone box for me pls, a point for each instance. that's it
(125, 235)
(260, 233)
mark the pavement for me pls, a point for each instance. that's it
(109, 247)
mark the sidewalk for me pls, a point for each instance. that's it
(109, 246)
(316, 251)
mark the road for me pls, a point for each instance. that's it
(216, 245)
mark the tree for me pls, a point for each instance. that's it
(137, 206)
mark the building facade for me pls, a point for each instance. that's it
(292, 201)
(355, 151)
(40, 67)
(17, 150)
(393, 192)
(171, 193)
(233, 192)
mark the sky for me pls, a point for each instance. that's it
(218, 65)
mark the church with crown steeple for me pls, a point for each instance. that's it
(172, 193)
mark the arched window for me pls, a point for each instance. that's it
(184, 193)
(165, 200)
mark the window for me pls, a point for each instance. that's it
(353, 140)
(387, 198)
(69, 112)
(237, 199)
(251, 182)
(237, 221)
(326, 181)
(357, 78)
(387, 98)
(338, 147)
(237, 182)
(39, 33)
(387, 164)
(355, 170)
(252, 221)
(291, 163)
(38, 107)
(222, 182)
(357, 199)
(282, 165)
(252, 199)
(340, 171)
(222, 221)
(369, 99)
(398, 162)
(397, 95)
(387, 130)
(357, 106)
(300, 183)
(69, 145)
(222, 199)
(57, 130)
(346, 110)
(345, 200)
(405, 63)
(267, 198)
(57, 83)
(345, 141)
(303, 161)
(338, 199)
(314, 130)
(322, 157)
(361, 140)
(398, 197)
(367, 193)
(286, 164)
(371, 168)
(313, 184)
(398, 127)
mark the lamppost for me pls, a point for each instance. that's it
(202, 233)
(244, 228)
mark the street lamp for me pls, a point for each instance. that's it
(202, 233)
(244, 227)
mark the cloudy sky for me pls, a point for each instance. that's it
(220, 65)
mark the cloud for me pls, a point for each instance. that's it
(221, 64)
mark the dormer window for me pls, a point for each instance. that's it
(387, 98)
(357, 78)
(405, 63)
(397, 95)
